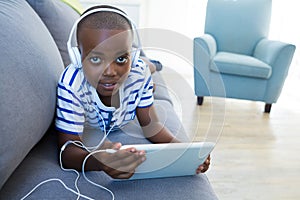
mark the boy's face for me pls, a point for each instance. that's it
(105, 58)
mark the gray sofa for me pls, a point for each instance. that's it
(33, 35)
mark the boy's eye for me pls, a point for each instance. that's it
(95, 60)
(122, 59)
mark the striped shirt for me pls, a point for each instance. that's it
(78, 104)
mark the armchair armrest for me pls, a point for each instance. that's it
(207, 42)
(279, 56)
(205, 48)
(272, 52)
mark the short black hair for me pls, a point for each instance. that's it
(105, 20)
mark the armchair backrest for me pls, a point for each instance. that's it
(237, 25)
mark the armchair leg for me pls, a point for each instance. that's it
(268, 108)
(200, 100)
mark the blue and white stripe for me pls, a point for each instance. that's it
(78, 104)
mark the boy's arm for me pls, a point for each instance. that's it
(119, 165)
(157, 133)
(153, 129)
(151, 66)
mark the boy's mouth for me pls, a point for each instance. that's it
(108, 86)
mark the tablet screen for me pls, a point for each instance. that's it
(171, 159)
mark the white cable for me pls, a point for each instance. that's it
(88, 149)
(59, 180)
(80, 144)
(77, 192)
(76, 143)
(97, 151)
(93, 183)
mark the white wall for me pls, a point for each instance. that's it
(176, 15)
(131, 7)
(183, 16)
(285, 27)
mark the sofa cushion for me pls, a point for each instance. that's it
(30, 66)
(161, 90)
(59, 19)
(42, 164)
(242, 65)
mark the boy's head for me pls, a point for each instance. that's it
(105, 17)
(105, 40)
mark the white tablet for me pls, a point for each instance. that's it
(171, 159)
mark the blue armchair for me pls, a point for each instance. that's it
(235, 59)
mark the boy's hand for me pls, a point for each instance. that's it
(122, 163)
(204, 167)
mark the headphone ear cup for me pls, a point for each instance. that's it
(135, 57)
(75, 57)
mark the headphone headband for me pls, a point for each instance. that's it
(74, 53)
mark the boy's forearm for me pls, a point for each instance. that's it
(157, 133)
(73, 157)
(165, 139)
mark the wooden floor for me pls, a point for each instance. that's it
(257, 155)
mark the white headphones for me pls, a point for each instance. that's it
(74, 52)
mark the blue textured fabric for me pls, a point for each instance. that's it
(238, 25)
(234, 58)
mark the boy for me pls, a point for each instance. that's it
(107, 91)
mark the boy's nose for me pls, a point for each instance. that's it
(110, 70)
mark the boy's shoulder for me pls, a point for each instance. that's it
(72, 77)
(140, 68)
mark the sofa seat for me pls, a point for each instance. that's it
(42, 164)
